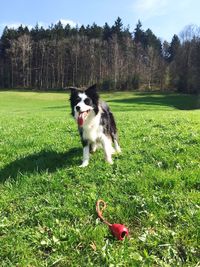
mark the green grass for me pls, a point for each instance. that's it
(47, 203)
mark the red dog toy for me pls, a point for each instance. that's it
(118, 230)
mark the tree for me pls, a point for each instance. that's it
(107, 32)
(185, 60)
(150, 39)
(174, 47)
(117, 27)
(139, 35)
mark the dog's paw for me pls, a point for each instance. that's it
(110, 161)
(118, 150)
(84, 164)
(93, 148)
(112, 151)
(117, 147)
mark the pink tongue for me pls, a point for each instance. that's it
(80, 121)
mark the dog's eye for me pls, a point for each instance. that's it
(87, 101)
(78, 99)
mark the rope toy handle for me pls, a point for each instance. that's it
(100, 211)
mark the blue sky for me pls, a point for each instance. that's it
(163, 17)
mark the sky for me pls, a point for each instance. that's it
(164, 17)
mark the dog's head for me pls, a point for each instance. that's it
(84, 104)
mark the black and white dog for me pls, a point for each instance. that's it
(96, 123)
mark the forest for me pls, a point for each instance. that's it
(111, 56)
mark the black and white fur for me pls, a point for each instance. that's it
(96, 123)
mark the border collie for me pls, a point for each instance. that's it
(96, 123)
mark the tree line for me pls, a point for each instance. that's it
(111, 56)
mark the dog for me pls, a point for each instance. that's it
(96, 124)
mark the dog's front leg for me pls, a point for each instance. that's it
(86, 155)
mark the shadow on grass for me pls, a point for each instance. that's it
(57, 107)
(43, 161)
(182, 102)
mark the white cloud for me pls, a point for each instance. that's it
(63, 21)
(67, 21)
(42, 24)
(150, 5)
(146, 9)
(15, 25)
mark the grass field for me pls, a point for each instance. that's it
(47, 203)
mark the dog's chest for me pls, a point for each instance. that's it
(93, 131)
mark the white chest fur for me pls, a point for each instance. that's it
(92, 130)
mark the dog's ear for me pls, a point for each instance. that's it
(92, 93)
(92, 90)
(73, 90)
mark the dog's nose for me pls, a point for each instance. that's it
(78, 108)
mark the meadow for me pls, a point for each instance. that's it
(47, 203)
